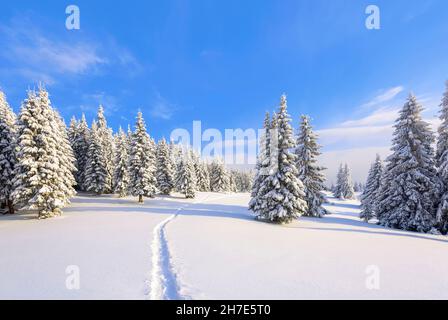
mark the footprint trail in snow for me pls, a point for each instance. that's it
(164, 283)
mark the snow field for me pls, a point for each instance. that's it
(212, 248)
(228, 255)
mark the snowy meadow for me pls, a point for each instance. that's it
(116, 215)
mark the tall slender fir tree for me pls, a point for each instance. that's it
(262, 166)
(165, 170)
(142, 167)
(310, 173)
(44, 178)
(370, 193)
(121, 178)
(96, 171)
(411, 186)
(285, 201)
(7, 152)
(442, 164)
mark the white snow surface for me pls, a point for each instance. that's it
(212, 248)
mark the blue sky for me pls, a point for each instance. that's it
(227, 62)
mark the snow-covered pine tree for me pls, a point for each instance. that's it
(107, 141)
(96, 172)
(72, 130)
(202, 177)
(43, 179)
(177, 152)
(262, 165)
(165, 170)
(129, 135)
(337, 189)
(310, 173)
(370, 193)
(186, 179)
(411, 185)
(121, 178)
(442, 164)
(65, 155)
(7, 152)
(232, 181)
(143, 181)
(266, 184)
(285, 201)
(153, 156)
(360, 187)
(245, 181)
(78, 135)
(219, 178)
(201, 172)
(82, 147)
(347, 190)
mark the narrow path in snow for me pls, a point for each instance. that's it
(164, 284)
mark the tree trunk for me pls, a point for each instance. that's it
(10, 207)
(140, 199)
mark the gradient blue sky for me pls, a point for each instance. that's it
(227, 62)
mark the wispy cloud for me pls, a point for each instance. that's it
(359, 160)
(92, 101)
(378, 117)
(372, 127)
(384, 96)
(357, 140)
(38, 53)
(161, 108)
(89, 103)
(33, 54)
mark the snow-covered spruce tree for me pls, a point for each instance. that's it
(310, 173)
(44, 178)
(64, 153)
(219, 178)
(245, 181)
(370, 193)
(411, 186)
(79, 139)
(129, 135)
(186, 179)
(153, 155)
(107, 141)
(442, 164)
(72, 130)
(232, 181)
(337, 189)
(82, 147)
(121, 177)
(165, 170)
(202, 177)
(96, 172)
(267, 183)
(360, 187)
(143, 181)
(201, 172)
(347, 190)
(7, 152)
(285, 201)
(261, 167)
